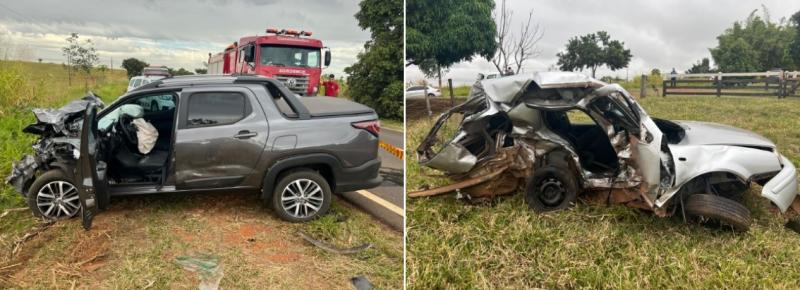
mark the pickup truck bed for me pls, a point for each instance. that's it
(328, 106)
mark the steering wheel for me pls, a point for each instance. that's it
(128, 131)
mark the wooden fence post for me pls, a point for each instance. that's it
(664, 89)
(718, 80)
(428, 102)
(452, 98)
(643, 86)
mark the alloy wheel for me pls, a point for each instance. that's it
(58, 200)
(302, 198)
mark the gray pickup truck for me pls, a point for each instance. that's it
(209, 133)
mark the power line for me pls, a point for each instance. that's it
(17, 13)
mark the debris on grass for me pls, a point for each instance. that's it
(207, 267)
(361, 283)
(10, 210)
(333, 249)
(17, 246)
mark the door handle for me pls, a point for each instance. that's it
(244, 134)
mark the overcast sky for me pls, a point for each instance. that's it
(176, 33)
(660, 34)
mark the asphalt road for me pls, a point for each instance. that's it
(385, 202)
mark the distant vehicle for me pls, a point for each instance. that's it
(139, 81)
(287, 55)
(419, 92)
(157, 72)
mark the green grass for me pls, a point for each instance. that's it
(503, 244)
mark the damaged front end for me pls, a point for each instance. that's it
(58, 144)
(514, 126)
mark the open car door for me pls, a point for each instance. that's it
(91, 173)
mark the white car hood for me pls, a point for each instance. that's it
(704, 133)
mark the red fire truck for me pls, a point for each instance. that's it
(287, 55)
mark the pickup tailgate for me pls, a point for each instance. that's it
(328, 107)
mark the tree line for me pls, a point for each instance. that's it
(441, 33)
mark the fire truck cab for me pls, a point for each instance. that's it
(289, 56)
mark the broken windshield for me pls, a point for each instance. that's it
(280, 55)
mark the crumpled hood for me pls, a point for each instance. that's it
(59, 119)
(705, 133)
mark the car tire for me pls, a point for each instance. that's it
(431, 95)
(551, 188)
(53, 178)
(296, 194)
(724, 211)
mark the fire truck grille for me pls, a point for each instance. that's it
(298, 85)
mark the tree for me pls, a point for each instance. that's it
(179, 72)
(702, 66)
(376, 79)
(134, 66)
(756, 44)
(514, 50)
(80, 56)
(201, 71)
(794, 47)
(441, 33)
(592, 51)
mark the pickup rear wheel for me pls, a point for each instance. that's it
(717, 210)
(301, 196)
(53, 196)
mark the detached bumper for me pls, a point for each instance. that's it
(782, 189)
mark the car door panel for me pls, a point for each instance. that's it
(218, 156)
(90, 174)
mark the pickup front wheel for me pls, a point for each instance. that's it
(53, 196)
(301, 196)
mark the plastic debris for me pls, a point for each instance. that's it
(332, 248)
(207, 267)
(361, 283)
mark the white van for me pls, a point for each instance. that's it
(139, 81)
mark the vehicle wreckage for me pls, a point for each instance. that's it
(197, 134)
(554, 135)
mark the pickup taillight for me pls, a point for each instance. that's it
(373, 126)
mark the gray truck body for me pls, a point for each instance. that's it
(278, 132)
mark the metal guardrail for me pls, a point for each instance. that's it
(779, 84)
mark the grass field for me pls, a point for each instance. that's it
(505, 245)
(133, 244)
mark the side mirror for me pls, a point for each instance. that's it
(249, 54)
(327, 57)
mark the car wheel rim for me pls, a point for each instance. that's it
(302, 198)
(552, 192)
(57, 200)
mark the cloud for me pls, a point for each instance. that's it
(177, 33)
(660, 34)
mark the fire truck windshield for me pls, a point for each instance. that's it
(281, 55)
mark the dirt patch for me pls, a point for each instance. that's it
(134, 244)
(417, 109)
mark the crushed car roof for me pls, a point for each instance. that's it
(507, 88)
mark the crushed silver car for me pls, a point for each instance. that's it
(554, 135)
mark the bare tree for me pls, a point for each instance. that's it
(514, 50)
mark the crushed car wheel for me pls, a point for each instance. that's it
(53, 196)
(709, 208)
(551, 188)
(301, 196)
